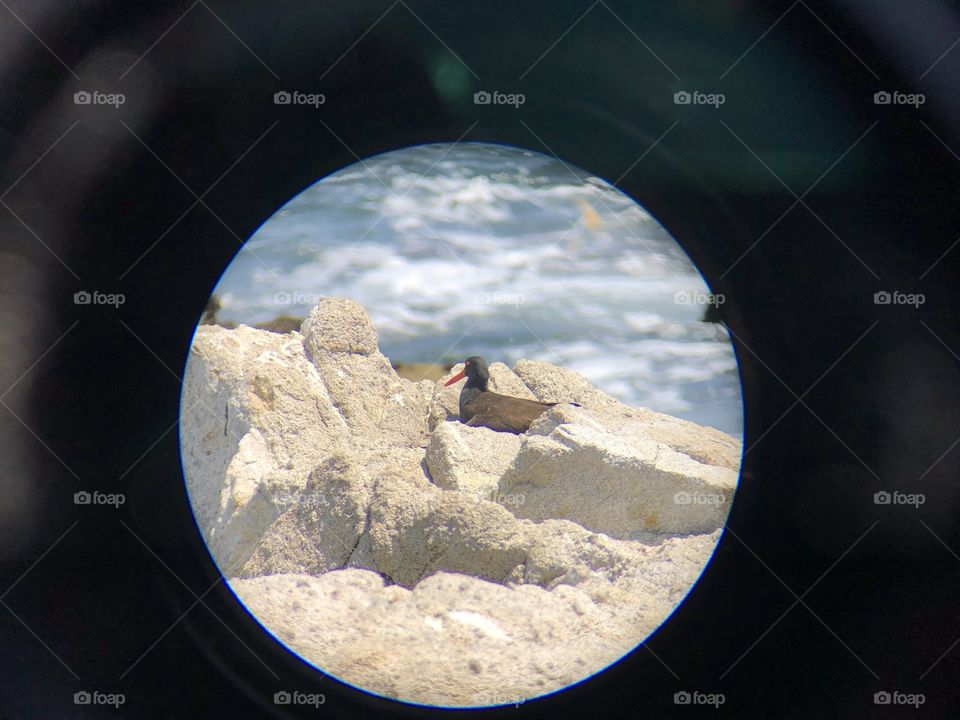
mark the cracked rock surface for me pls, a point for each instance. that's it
(424, 560)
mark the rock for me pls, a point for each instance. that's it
(260, 414)
(252, 417)
(417, 532)
(571, 466)
(470, 459)
(553, 384)
(338, 325)
(416, 557)
(573, 460)
(456, 640)
(320, 527)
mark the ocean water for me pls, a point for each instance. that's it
(479, 249)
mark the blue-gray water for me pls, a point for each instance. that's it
(488, 250)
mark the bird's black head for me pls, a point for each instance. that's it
(478, 374)
(476, 371)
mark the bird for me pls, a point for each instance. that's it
(480, 407)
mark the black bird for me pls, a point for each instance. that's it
(482, 407)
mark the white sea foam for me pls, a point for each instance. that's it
(529, 260)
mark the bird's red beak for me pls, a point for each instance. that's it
(459, 376)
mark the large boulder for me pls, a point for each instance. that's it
(576, 467)
(262, 411)
(554, 384)
(389, 544)
(667, 476)
(470, 459)
(457, 640)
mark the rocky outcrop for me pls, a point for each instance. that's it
(622, 471)
(457, 640)
(471, 459)
(571, 465)
(324, 484)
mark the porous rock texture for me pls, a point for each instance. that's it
(424, 560)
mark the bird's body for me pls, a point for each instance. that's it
(480, 407)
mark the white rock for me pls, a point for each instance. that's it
(554, 384)
(624, 485)
(470, 459)
(429, 561)
(456, 640)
